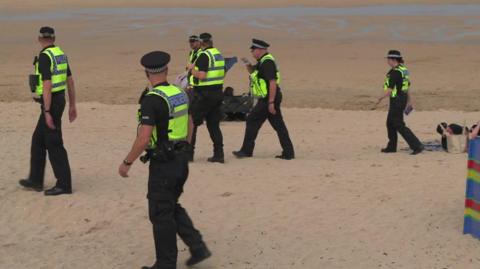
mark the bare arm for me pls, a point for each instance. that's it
(47, 94)
(141, 143)
(190, 129)
(47, 103)
(71, 91)
(72, 111)
(385, 95)
(272, 90)
(201, 75)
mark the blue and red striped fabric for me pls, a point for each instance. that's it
(472, 200)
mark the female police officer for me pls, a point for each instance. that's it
(164, 130)
(397, 84)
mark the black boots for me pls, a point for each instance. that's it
(198, 255)
(26, 183)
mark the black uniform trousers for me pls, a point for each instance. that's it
(206, 105)
(168, 217)
(255, 120)
(49, 140)
(396, 124)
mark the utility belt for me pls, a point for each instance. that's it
(208, 88)
(39, 98)
(166, 151)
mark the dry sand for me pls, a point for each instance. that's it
(340, 204)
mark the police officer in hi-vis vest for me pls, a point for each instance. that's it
(397, 84)
(52, 78)
(265, 86)
(208, 73)
(194, 43)
(163, 132)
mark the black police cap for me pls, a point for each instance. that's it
(395, 54)
(259, 44)
(155, 61)
(47, 32)
(205, 37)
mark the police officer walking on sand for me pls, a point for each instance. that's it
(397, 84)
(265, 86)
(208, 73)
(52, 78)
(163, 131)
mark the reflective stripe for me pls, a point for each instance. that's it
(59, 84)
(179, 113)
(59, 72)
(258, 85)
(177, 101)
(217, 68)
(52, 59)
(218, 57)
(212, 79)
(58, 69)
(210, 57)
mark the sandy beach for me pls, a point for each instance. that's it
(341, 204)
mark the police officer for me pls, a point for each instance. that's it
(208, 74)
(265, 86)
(163, 131)
(194, 43)
(397, 84)
(52, 77)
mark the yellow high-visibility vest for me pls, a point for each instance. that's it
(258, 85)
(177, 101)
(406, 80)
(216, 68)
(58, 67)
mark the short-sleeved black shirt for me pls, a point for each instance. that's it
(202, 63)
(154, 112)
(44, 64)
(267, 71)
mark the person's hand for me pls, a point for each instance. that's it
(190, 67)
(271, 108)
(123, 170)
(49, 120)
(72, 113)
(245, 61)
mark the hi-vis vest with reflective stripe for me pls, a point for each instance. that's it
(258, 85)
(406, 80)
(216, 68)
(177, 101)
(58, 67)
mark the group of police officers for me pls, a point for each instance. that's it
(168, 120)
